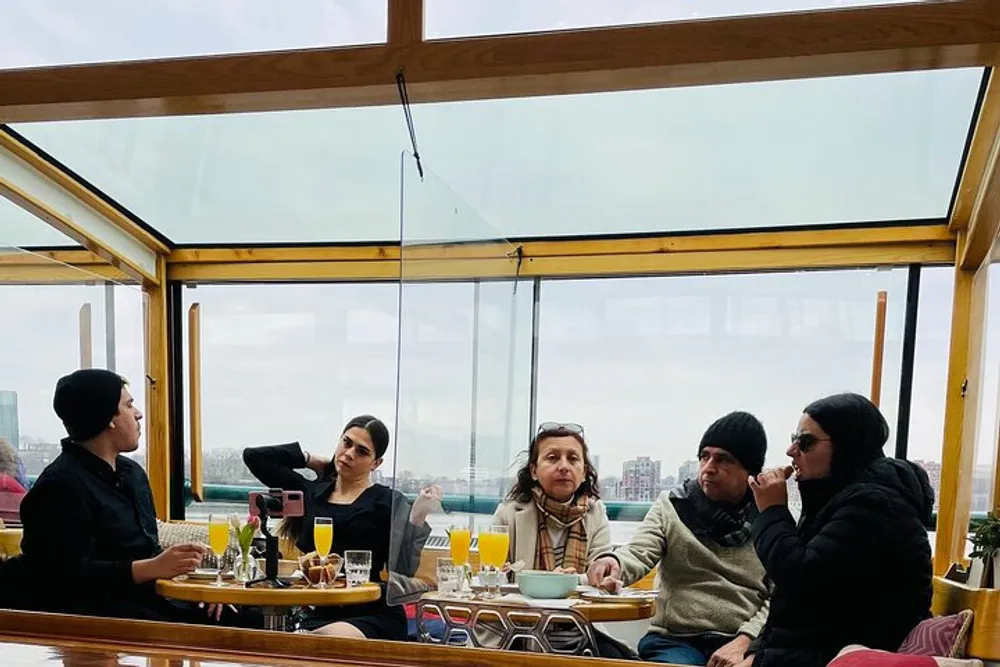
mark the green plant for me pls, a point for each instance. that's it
(986, 538)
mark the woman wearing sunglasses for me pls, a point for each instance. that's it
(857, 567)
(552, 513)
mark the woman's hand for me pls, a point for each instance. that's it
(428, 500)
(770, 487)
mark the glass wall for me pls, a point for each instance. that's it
(645, 364)
(57, 319)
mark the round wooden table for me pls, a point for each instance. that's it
(275, 602)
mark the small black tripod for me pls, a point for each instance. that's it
(270, 578)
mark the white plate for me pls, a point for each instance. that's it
(204, 574)
(626, 595)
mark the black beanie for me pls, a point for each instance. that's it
(857, 429)
(86, 401)
(742, 435)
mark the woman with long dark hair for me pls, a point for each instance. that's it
(857, 567)
(554, 516)
(364, 516)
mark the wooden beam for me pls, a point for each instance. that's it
(898, 37)
(585, 265)
(80, 192)
(961, 415)
(984, 220)
(978, 162)
(653, 244)
(406, 21)
(157, 421)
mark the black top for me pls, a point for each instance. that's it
(377, 521)
(84, 524)
(857, 569)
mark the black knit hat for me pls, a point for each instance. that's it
(742, 435)
(856, 427)
(86, 401)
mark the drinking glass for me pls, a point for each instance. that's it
(218, 540)
(323, 539)
(357, 567)
(494, 542)
(449, 576)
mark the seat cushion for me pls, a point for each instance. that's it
(946, 636)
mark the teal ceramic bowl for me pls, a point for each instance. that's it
(546, 585)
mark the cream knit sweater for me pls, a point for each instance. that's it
(703, 588)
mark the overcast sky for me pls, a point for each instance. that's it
(644, 364)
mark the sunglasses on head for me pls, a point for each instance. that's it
(549, 427)
(806, 441)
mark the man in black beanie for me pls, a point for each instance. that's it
(90, 534)
(713, 591)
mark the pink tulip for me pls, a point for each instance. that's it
(254, 521)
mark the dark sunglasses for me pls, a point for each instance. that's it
(806, 441)
(549, 427)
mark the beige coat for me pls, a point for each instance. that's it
(521, 520)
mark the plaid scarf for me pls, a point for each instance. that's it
(561, 515)
(727, 525)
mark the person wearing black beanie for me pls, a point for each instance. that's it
(863, 528)
(714, 592)
(89, 519)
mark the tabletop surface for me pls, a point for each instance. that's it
(237, 594)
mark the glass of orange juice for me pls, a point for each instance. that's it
(494, 542)
(218, 540)
(323, 539)
(459, 542)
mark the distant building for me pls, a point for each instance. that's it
(688, 470)
(640, 480)
(8, 418)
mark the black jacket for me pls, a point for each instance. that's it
(84, 524)
(857, 569)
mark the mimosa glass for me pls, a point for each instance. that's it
(494, 543)
(323, 539)
(218, 540)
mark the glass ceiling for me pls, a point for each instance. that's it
(458, 18)
(37, 33)
(832, 150)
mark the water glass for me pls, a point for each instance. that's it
(357, 567)
(449, 576)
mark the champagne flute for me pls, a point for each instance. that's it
(218, 540)
(494, 543)
(323, 540)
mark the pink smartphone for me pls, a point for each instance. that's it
(279, 503)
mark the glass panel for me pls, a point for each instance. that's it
(60, 32)
(22, 229)
(930, 372)
(464, 364)
(61, 318)
(988, 424)
(646, 364)
(685, 159)
(316, 355)
(462, 18)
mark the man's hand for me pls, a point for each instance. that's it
(178, 559)
(214, 610)
(731, 654)
(770, 487)
(428, 500)
(746, 662)
(605, 573)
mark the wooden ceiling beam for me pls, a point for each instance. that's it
(899, 37)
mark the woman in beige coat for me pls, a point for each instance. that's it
(553, 515)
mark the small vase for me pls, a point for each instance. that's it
(245, 567)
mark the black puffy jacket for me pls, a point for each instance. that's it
(856, 570)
